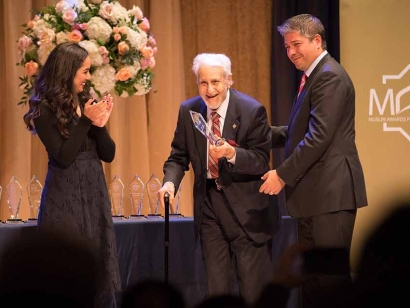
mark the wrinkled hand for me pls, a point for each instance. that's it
(170, 189)
(100, 112)
(273, 183)
(223, 150)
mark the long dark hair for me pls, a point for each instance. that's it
(54, 87)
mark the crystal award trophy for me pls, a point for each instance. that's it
(136, 187)
(116, 191)
(177, 201)
(34, 190)
(152, 186)
(14, 195)
(201, 125)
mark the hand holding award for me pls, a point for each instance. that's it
(201, 125)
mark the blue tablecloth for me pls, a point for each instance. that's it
(141, 249)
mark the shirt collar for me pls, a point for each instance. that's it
(313, 65)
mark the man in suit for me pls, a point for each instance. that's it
(322, 174)
(234, 221)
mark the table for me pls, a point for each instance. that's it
(141, 251)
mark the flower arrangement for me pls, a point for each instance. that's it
(118, 40)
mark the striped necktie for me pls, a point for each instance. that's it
(213, 161)
(302, 83)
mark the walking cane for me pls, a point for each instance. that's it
(166, 235)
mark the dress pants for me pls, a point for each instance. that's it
(330, 230)
(231, 257)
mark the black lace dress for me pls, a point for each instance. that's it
(75, 197)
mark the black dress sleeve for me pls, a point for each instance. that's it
(105, 144)
(63, 150)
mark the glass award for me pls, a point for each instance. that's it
(177, 202)
(152, 186)
(116, 192)
(136, 188)
(14, 195)
(34, 190)
(201, 125)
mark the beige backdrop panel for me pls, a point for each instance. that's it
(374, 43)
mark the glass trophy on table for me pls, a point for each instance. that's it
(116, 192)
(152, 186)
(136, 187)
(14, 196)
(177, 202)
(34, 190)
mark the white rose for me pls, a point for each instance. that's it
(98, 29)
(136, 12)
(61, 37)
(136, 38)
(103, 78)
(44, 51)
(93, 50)
(62, 6)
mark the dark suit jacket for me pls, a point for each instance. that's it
(245, 123)
(322, 169)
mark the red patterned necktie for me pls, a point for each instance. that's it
(213, 161)
(302, 83)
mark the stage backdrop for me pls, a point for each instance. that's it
(375, 50)
(142, 126)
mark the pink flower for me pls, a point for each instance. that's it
(31, 68)
(151, 41)
(117, 37)
(69, 16)
(106, 10)
(123, 74)
(145, 63)
(31, 23)
(123, 48)
(83, 26)
(147, 52)
(75, 36)
(144, 25)
(152, 62)
(104, 54)
(24, 43)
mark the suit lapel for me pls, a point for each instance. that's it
(299, 100)
(231, 124)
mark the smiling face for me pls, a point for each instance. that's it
(213, 85)
(82, 75)
(302, 51)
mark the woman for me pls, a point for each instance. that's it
(71, 125)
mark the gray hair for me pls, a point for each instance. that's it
(307, 25)
(212, 59)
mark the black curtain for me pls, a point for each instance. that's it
(285, 77)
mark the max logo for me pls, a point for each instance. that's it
(391, 111)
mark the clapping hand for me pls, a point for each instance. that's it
(99, 112)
